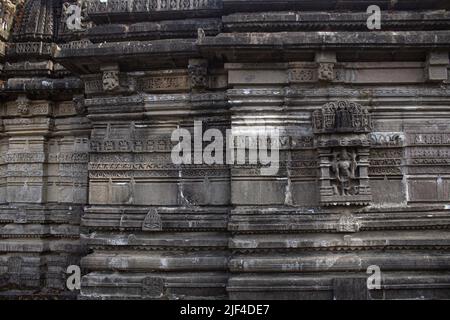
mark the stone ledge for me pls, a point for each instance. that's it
(261, 5)
(321, 40)
(308, 21)
(368, 239)
(306, 262)
(395, 285)
(115, 49)
(152, 10)
(153, 30)
(156, 261)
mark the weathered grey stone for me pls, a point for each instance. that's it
(437, 65)
(87, 177)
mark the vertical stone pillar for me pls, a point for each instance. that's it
(324, 165)
(364, 186)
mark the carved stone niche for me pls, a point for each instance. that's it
(342, 139)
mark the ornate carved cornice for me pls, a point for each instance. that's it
(152, 9)
(327, 5)
(322, 40)
(339, 21)
(167, 51)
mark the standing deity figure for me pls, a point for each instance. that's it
(344, 167)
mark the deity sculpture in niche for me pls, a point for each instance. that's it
(344, 167)
(341, 137)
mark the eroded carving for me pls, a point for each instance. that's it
(198, 73)
(326, 71)
(152, 221)
(110, 80)
(23, 105)
(153, 287)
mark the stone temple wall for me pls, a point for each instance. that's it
(87, 178)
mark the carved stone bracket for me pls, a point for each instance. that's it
(326, 62)
(110, 78)
(343, 146)
(198, 73)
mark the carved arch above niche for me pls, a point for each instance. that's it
(341, 131)
(342, 116)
